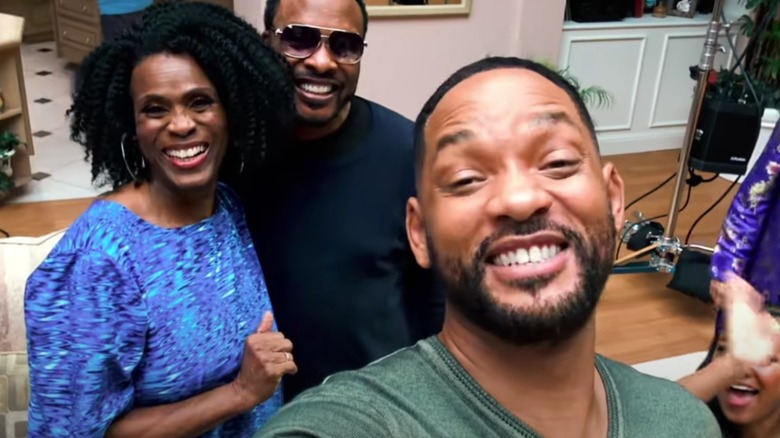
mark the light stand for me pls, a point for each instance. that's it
(665, 248)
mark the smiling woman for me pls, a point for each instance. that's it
(151, 316)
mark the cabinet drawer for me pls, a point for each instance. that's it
(74, 32)
(84, 8)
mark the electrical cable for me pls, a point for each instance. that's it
(651, 191)
(745, 74)
(712, 207)
(760, 29)
(2, 231)
(711, 179)
(759, 105)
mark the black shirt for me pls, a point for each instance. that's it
(328, 222)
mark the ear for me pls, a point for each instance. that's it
(266, 36)
(415, 232)
(615, 193)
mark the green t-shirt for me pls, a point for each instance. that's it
(422, 391)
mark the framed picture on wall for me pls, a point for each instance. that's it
(681, 8)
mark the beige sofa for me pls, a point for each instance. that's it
(19, 256)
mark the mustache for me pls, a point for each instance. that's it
(535, 224)
(309, 74)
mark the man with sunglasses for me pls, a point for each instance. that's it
(327, 215)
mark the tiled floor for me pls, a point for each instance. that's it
(61, 172)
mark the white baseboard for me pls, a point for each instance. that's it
(673, 368)
(614, 143)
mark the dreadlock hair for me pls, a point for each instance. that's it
(488, 64)
(272, 8)
(253, 82)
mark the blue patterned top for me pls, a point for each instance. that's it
(125, 314)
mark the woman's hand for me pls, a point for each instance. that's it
(267, 358)
(753, 334)
(734, 287)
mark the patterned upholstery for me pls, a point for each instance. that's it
(14, 395)
(19, 256)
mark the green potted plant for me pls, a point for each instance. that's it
(762, 54)
(9, 143)
(594, 96)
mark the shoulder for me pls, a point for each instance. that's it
(390, 122)
(392, 140)
(105, 227)
(649, 398)
(388, 114)
(628, 378)
(98, 245)
(355, 403)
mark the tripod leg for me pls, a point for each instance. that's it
(637, 254)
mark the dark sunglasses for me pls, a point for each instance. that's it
(301, 41)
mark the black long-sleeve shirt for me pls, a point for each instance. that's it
(328, 222)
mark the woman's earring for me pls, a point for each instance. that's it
(127, 164)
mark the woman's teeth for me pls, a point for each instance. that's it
(744, 389)
(186, 153)
(316, 88)
(522, 256)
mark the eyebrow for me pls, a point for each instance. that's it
(553, 117)
(543, 118)
(188, 94)
(454, 138)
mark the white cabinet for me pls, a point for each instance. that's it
(645, 63)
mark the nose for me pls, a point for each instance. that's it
(321, 60)
(181, 124)
(518, 196)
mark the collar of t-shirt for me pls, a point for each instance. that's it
(347, 139)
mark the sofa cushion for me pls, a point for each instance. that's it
(14, 394)
(19, 256)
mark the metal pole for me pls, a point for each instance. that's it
(705, 66)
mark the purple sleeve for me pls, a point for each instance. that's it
(744, 221)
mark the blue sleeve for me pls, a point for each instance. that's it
(86, 328)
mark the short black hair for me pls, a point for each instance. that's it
(488, 64)
(254, 84)
(272, 8)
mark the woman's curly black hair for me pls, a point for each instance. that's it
(253, 82)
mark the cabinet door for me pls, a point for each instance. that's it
(80, 9)
(645, 64)
(37, 18)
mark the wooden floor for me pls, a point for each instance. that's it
(639, 319)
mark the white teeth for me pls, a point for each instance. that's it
(186, 153)
(522, 256)
(742, 388)
(316, 88)
(535, 254)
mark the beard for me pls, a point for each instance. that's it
(554, 322)
(341, 101)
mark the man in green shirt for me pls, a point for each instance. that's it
(517, 215)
